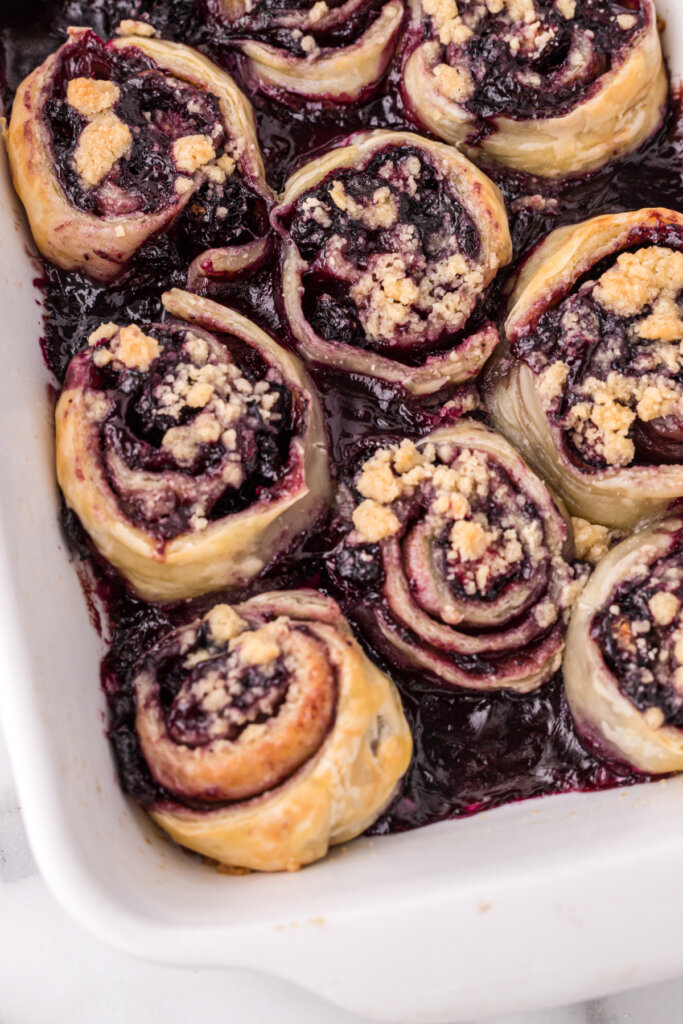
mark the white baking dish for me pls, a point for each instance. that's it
(539, 903)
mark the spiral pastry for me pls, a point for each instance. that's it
(191, 458)
(110, 142)
(466, 552)
(623, 666)
(332, 53)
(391, 244)
(262, 734)
(549, 87)
(591, 390)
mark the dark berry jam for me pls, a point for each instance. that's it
(471, 751)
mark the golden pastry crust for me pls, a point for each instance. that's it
(228, 551)
(342, 75)
(623, 110)
(482, 201)
(617, 496)
(101, 247)
(340, 789)
(603, 713)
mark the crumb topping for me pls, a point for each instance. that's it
(91, 96)
(224, 624)
(643, 279)
(455, 83)
(135, 349)
(102, 143)
(196, 404)
(130, 27)
(225, 396)
(591, 541)
(374, 522)
(261, 645)
(127, 346)
(551, 382)
(192, 152)
(567, 8)
(380, 212)
(469, 540)
(317, 11)
(664, 607)
(245, 688)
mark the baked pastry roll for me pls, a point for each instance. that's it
(623, 666)
(391, 244)
(330, 53)
(590, 389)
(260, 734)
(456, 560)
(193, 451)
(550, 87)
(110, 142)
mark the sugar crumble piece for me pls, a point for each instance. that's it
(90, 96)
(224, 623)
(191, 152)
(101, 144)
(664, 607)
(567, 8)
(591, 541)
(135, 349)
(131, 27)
(551, 382)
(374, 522)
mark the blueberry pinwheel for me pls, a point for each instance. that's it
(112, 143)
(260, 734)
(332, 53)
(193, 451)
(590, 386)
(623, 666)
(456, 560)
(550, 87)
(392, 244)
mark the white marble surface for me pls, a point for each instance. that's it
(53, 971)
